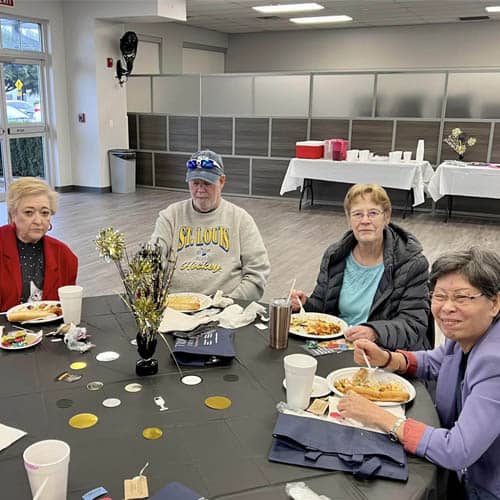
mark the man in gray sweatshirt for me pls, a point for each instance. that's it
(217, 244)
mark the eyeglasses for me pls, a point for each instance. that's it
(202, 162)
(457, 298)
(371, 214)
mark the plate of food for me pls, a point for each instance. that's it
(20, 339)
(312, 325)
(188, 302)
(381, 387)
(319, 389)
(35, 312)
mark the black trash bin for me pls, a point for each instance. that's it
(122, 170)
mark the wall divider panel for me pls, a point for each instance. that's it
(254, 121)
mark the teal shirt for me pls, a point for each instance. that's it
(358, 290)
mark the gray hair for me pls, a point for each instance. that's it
(480, 267)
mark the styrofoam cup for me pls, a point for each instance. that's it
(71, 303)
(46, 464)
(407, 156)
(299, 374)
(364, 155)
(395, 156)
(352, 154)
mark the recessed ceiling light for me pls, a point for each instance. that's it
(321, 19)
(493, 8)
(294, 7)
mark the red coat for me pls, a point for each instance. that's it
(61, 267)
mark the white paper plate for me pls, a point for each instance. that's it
(310, 316)
(36, 321)
(320, 387)
(32, 338)
(205, 301)
(379, 375)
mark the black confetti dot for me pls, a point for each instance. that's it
(64, 403)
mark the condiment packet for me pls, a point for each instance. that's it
(318, 407)
(315, 348)
(136, 488)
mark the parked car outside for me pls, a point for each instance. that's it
(24, 107)
(16, 116)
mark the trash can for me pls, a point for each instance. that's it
(122, 169)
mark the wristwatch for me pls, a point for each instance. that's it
(393, 436)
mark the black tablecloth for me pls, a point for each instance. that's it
(220, 454)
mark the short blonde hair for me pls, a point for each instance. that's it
(29, 186)
(374, 191)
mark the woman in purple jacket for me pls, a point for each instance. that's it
(466, 305)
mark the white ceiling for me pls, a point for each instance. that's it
(237, 16)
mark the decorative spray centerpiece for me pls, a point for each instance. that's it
(146, 279)
(459, 141)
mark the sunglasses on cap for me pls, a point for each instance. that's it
(202, 163)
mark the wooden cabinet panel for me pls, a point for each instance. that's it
(153, 132)
(375, 135)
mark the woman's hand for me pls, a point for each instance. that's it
(298, 298)
(360, 332)
(376, 356)
(364, 411)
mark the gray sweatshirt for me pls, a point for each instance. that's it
(218, 250)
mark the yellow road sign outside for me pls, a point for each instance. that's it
(19, 84)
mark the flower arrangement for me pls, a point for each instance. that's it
(458, 141)
(146, 279)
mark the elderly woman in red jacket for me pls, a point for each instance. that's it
(32, 265)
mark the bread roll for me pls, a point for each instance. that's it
(28, 315)
(183, 303)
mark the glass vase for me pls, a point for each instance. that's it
(146, 346)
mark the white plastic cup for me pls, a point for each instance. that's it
(352, 154)
(395, 156)
(364, 155)
(71, 303)
(47, 462)
(407, 156)
(299, 374)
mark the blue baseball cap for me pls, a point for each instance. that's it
(204, 165)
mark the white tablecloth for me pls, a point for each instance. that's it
(450, 179)
(404, 175)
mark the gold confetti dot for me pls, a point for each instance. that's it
(83, 420)
(78, 365)
(152, 433)
(218, 402)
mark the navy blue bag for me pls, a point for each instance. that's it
(176, 491)
(319, 444)
(212, 347)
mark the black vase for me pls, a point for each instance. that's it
(461, 157)
(146, 345)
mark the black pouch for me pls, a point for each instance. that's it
(213, 347)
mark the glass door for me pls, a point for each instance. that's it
(22, 125)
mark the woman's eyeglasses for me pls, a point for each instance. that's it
(202, 163)
(456, 298)
(371, 214)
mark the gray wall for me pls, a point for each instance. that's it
(464, 45)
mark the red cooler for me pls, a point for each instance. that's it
(312, 150)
